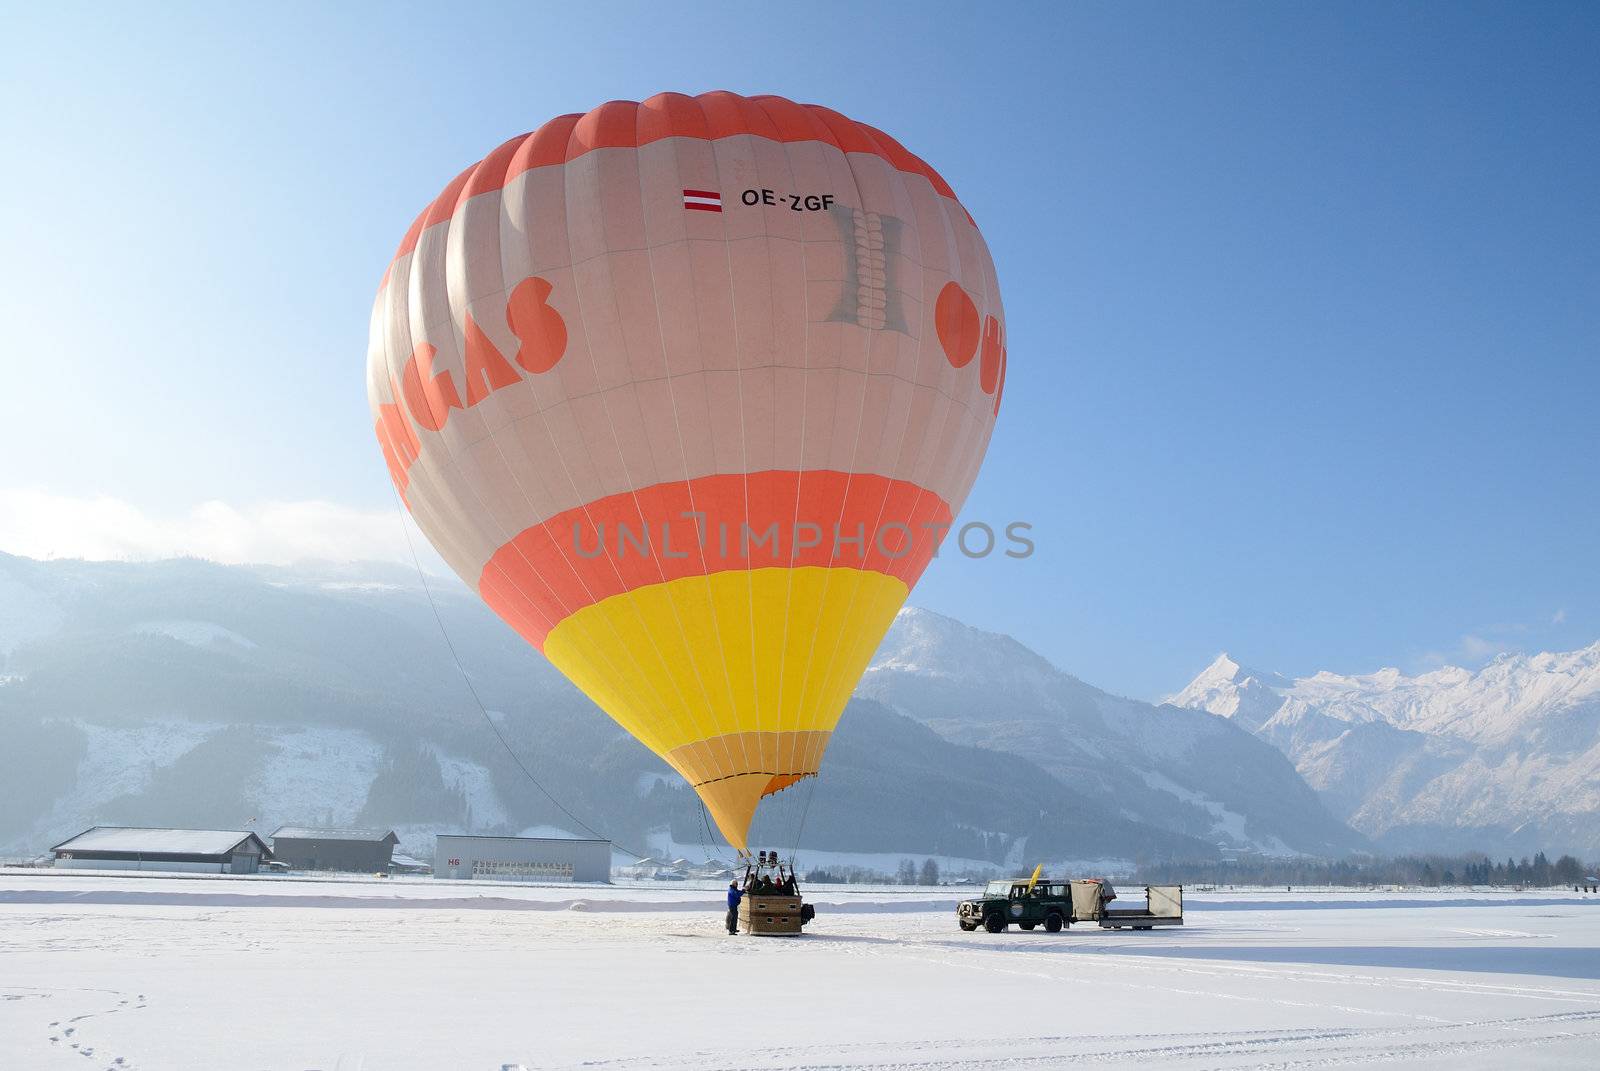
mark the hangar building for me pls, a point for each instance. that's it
(521, 858)
(204, 851)
(307, 848)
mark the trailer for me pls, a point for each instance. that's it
(1163, 906)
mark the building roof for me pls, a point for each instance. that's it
(313, 833)
(487, 836)
(153, 841)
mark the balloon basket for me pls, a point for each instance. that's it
(772, 905)
(771, 916)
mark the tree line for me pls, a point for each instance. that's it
(1425, 870)
(908, 873)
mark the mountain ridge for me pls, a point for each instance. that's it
(1162, 764)
(1503, 758)
(327, 694)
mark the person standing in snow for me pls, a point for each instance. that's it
(734, 896)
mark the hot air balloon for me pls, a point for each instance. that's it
(689, 391)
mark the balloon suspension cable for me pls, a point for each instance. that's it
(705, 834)
(709, 841)
(482, 709)
(805, 812)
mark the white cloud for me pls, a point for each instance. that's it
(37, 524)
(1472, 651)
(1559, 617)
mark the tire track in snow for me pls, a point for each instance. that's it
(1285, 1050)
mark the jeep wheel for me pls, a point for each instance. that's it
(994, 924)
(968, 927)
(1052, 922)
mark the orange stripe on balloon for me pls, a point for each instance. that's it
(626, 124)
(558, 567)
(399, 442)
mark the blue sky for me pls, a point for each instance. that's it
(1303, 300)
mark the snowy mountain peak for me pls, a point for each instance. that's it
(1228, 689)
(1223, 668)
(1495, 754)
(923, 641)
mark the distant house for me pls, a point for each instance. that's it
(206, 851)
(308, 848)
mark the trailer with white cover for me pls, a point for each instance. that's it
(1092, 898)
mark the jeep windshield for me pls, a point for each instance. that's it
(1002, 889)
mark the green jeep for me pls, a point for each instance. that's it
(1005, 902)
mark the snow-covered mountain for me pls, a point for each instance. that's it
(1503, 759)
(1168, 766)
(184, 692)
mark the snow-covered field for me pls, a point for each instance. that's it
(168, 973)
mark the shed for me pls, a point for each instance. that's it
(521, 858)
(311, 848)
(206, 851)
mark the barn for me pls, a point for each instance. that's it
(521, 858)
(309, 848)
(204, 851)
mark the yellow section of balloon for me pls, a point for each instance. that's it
(770, 649)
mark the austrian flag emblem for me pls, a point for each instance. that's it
(702, 200)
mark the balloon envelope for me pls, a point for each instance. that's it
(688, 391)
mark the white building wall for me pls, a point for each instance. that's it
(139, 864)
(521, 858)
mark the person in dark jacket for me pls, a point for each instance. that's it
(734, 896)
